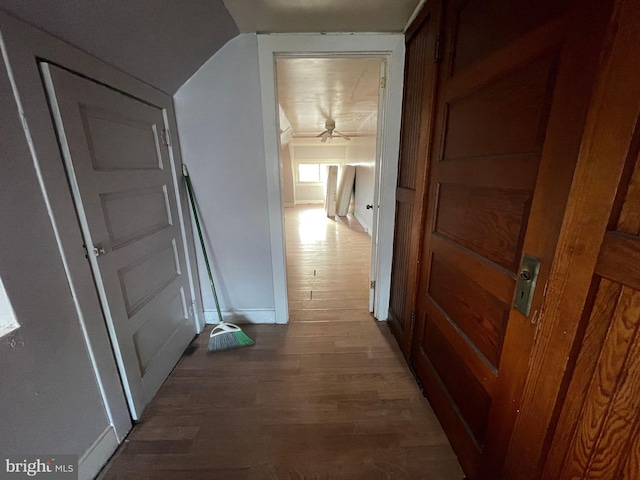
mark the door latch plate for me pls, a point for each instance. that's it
(526, 284)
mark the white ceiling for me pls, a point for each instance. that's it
(267, 16)
(312, 89)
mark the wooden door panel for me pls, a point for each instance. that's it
(481, 28)
(497, 138)
(506, 116)
(486, 220)
(464, 389)
(420, 71)
(477, 313)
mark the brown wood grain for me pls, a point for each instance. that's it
(475, 41)
(466, 393)
(604, 305)
(498, 282)
(619, 259)
(415, 140)
(475, 311)
(603, 154)
(519, 398)
(481, 367)
(508, 128)
(488, 221)
(506, 117)
(611, 407)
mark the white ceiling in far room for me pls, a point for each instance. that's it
(310, 90)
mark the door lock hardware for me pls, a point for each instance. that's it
(526, 284)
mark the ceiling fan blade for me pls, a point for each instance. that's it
(324, 138)
(336, 132)
(322, 134)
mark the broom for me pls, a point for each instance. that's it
(225, 336)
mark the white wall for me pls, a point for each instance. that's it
(220, 126)
(362, 154)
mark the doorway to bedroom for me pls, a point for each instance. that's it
(328, 122)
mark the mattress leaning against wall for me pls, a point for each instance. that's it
(345, 189)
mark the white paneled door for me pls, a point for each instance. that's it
(122, 181)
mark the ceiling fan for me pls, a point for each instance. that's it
(331, 131)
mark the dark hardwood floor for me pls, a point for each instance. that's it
(327, 396)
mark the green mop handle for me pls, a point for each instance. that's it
(192, 199)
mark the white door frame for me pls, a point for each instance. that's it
(389, 47)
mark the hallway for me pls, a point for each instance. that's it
(327, 396)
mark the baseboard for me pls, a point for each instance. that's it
(98, 454)
(362, 222)
(289, 205)
(310, 202)
(242, 315)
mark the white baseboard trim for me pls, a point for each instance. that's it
(289, 205)
(97, 454)
(310, 202)
(242, 315)
(362, 222)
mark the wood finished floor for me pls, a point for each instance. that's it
(327, 396)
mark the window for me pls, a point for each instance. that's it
(8, 321)
(313, 172)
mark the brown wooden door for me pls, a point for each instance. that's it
(513, 91)
(420, 75)
(598, 432)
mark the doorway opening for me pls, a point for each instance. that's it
(389, 48)
(329, 123)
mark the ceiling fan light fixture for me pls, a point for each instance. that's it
(330, 131)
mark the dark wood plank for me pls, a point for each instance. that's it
(610, 411)
(327, 396)
(416, 134)
(604, 306)
(619, 259)
(474, 41)
(488, 221)
(507, 116)
(481, 316)
(481, 367)
(467, 394)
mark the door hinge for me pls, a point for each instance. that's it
(165, 137)
(383, 82)
(372, 284)
(437, 54)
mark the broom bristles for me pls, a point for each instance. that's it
(229, 340)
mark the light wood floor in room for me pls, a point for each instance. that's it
(327, 396)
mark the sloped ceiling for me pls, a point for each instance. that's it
(162, 42)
